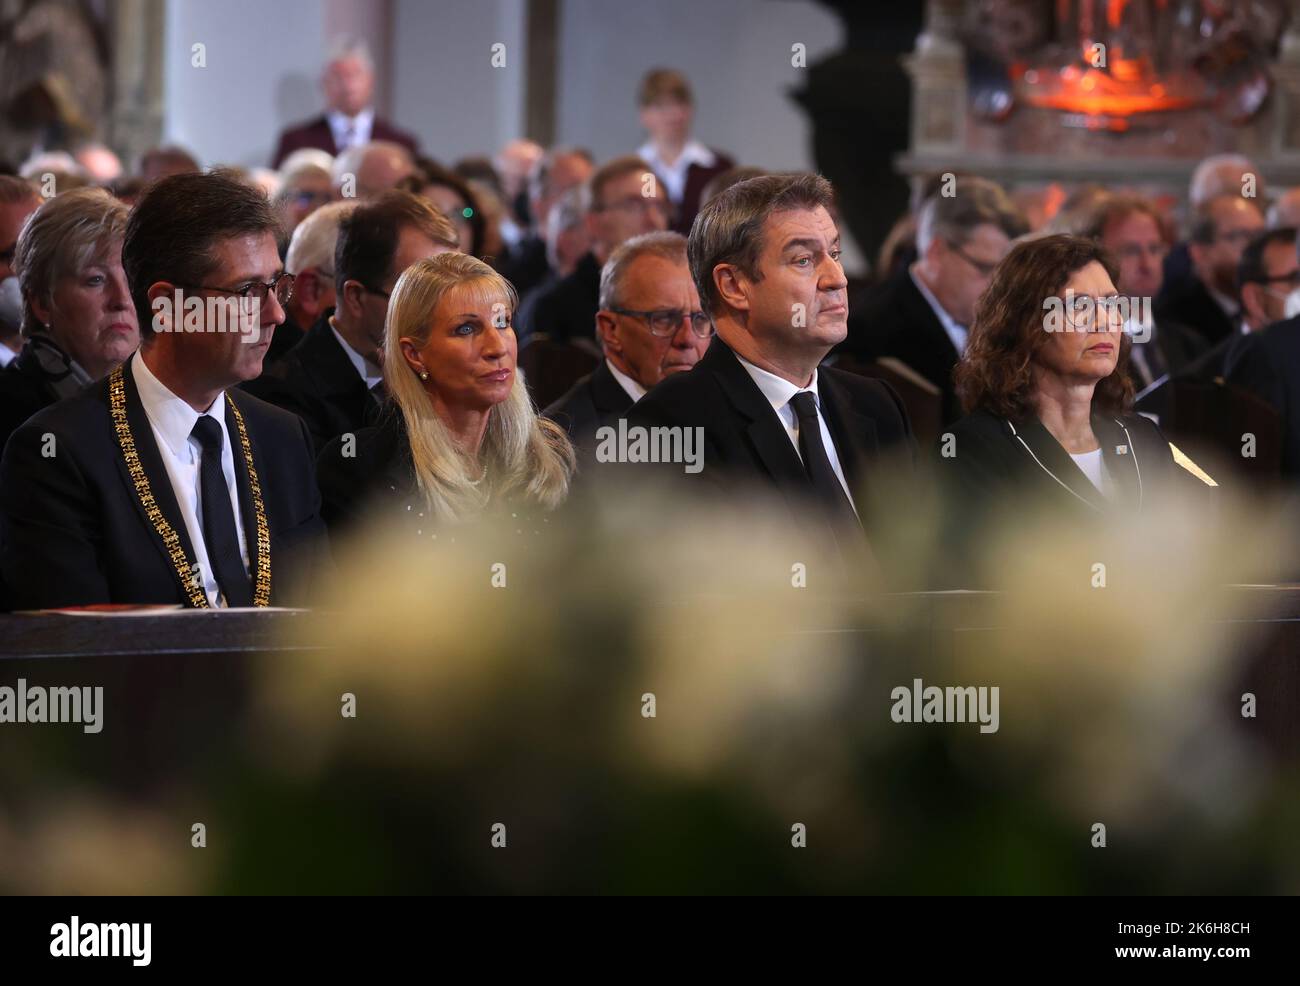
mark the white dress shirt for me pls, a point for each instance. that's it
(172, 420)
(674, 176)
(367, 370)
(348, 131)
(634, 390)
(955, 330)
(779, 392)
(7, 355)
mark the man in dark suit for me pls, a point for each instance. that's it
(650, 326)
(162, 484)
(622, 199)
(333, 378)
(1207, 302)
(348, 83)
(773, 419)
(921, 315)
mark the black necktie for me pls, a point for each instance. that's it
(824, 481)
(219, 532)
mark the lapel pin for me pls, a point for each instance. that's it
(1121, 450)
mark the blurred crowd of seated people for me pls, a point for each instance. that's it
(451, 338)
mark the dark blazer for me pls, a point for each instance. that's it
(991, 464)
(697, 177)
(378, 472)
(896, 320)
(1268, 365)
(1188, 303)
(567, 310)
(25, 388)
(595, 400)
(746, 447)
(287, 335)
(72, 528)
(524, 264)
(316, 381)
(317, 134)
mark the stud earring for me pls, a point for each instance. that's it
(424, 374)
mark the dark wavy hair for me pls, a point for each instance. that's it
(996, 374)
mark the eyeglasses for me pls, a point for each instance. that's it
(983, 267)
(1083, 312)
(1292, 279)
(664, 322)
(281, 284)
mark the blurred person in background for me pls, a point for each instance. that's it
(348, 84)
(1137, 236)
(620, 200)
(683, 164)
(525, 264)
(1207, 301)
(18, 200)
(304, 187)
(921, 317)
(365, 170)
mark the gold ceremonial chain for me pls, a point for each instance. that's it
(171, 540)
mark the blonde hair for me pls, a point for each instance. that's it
(527, 458)
(62, 237)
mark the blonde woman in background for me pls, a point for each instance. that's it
(459, 435)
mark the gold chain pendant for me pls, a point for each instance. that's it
(171, 540)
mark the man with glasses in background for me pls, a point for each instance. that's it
(1208, 302)
(163, 483)
(650, 325)
(333, 378)
(920, 316)
(622, 199)
(1139, 238)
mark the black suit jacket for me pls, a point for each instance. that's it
(596, 400)
(567, 310)
(317, 134)
(73, 531)
(747, 448)
(896, 320)
(1268, 364)
(990, 465)
(24, 389)
(1188, 303)
(316, 381)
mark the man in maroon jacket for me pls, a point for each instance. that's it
(348, 83)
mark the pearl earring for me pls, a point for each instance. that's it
(424, 374)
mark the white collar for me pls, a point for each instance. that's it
(1228, 305)
(366, 370)
(777, 390)
(949, 323)
(341, 121)
(172, 418)
(693, 152)
(634, 390)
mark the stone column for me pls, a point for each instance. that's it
(137, 32)
(938, 71)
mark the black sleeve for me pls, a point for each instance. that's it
(50, 524)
